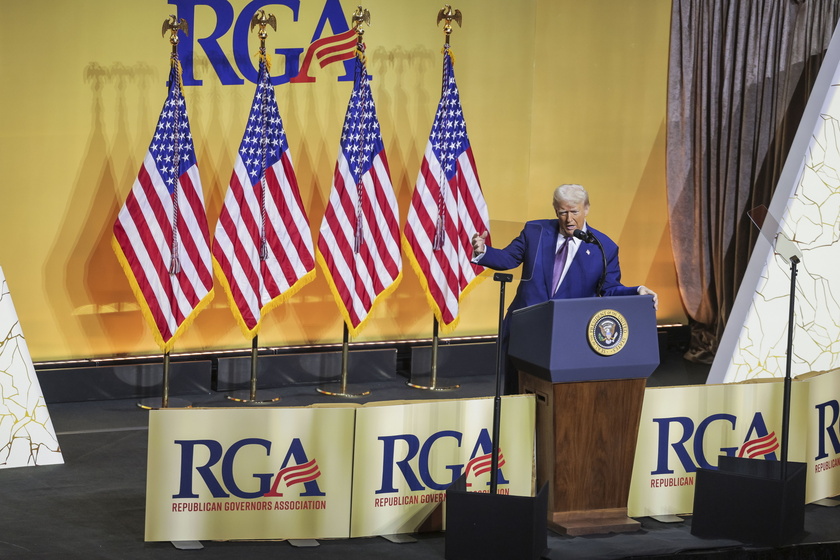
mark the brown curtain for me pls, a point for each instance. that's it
(739, 76)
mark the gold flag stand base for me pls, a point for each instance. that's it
(157, 404)
(341, 389)
(433, 386)
(247, 397)
(165, 401)
(250, 396)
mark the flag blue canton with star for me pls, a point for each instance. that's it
(172, 137)
(449, 131)
(265, 138)
(361, 139)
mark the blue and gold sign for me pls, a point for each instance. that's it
(607, 332)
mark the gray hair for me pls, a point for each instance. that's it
(571, 193)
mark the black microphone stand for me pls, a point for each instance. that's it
(786, 398)
(587, 237)
(495, 526)
(788, 251)
(502, 278)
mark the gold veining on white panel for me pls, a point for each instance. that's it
(27, 437)
(812, 221)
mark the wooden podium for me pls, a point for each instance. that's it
(587, 362)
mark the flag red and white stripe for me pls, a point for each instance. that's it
(161, 236)
(447, 208)
(262, 249)
(358, 244)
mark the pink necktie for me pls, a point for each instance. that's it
(560, 263)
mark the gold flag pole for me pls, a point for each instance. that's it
(260, 20)
(173, 25)
(449, 15)
(359, 17)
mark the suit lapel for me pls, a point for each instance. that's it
(548, 250)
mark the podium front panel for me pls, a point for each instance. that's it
(558, 340)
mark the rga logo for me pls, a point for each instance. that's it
(406, 458)
(332, 21)
(828, 414)
(296, 469)
(679, 438)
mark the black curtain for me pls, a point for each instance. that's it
(739, 76)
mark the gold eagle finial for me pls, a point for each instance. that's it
(448, 14)
(174, 25)
(360, 16)
(262, 20)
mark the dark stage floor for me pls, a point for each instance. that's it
(93, 505)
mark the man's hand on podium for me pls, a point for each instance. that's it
(645, 291)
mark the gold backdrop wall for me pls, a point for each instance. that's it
(553, 91)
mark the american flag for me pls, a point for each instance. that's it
(447, 208)
(358, 245)
(262, 249)
(161, 235)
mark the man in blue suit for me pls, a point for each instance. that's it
(555, 262)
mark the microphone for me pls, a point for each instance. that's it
(587, 237)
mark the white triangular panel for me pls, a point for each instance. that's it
(806, 207)
(27, 437)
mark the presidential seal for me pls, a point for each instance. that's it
(607, 332)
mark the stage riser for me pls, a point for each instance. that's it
(106, 379)
(133, 381)
(204, 376)
(457, 360)
(143, 380)
(295, 369)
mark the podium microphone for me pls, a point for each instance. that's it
(584, 236)
(587, 237)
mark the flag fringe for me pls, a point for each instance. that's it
(353, 331)
(451, 54)
(266, 57)
(165, 345)
(267, 308)
(190, 319)
(445, 328)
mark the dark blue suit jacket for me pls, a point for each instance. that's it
(534, 250)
